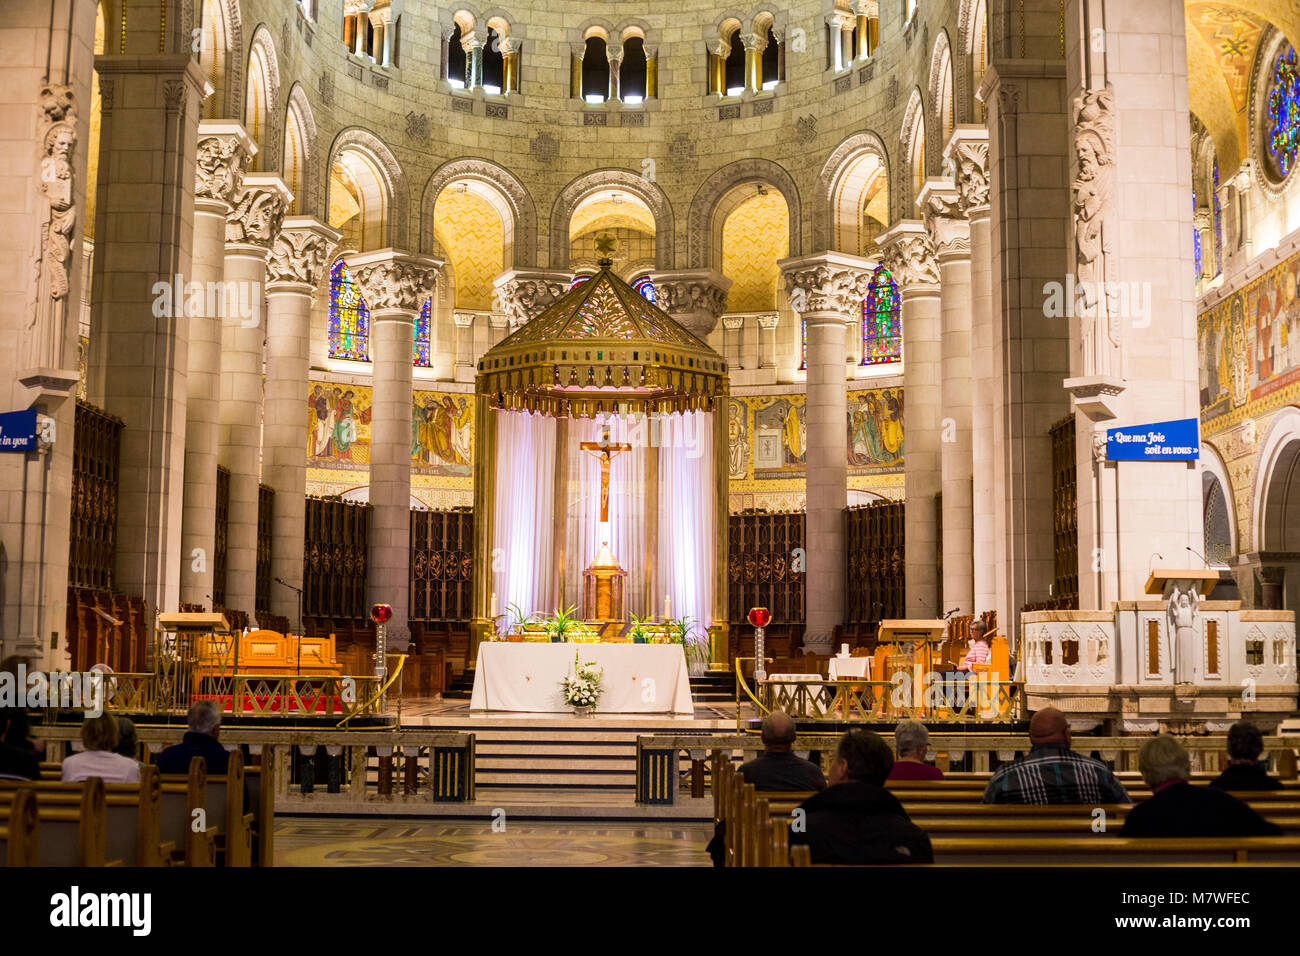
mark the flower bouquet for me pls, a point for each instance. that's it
(582, 688)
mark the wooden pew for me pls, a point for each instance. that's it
(131, 816)
(221, 797)
(20, 835)
(182, 796)
(72, 834)
(261, 800)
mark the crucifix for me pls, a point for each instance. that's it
(606, 451)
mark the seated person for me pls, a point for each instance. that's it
(912, 742)
(18, 758)
(99, 737)
(856, 820)
(1051, 772)
(1244, 771)
(979, 651)
(1176, 808)
(126, 744)
(777, 768)
(199, 741)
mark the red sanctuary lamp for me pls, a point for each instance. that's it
(759, 617)
(381, 614)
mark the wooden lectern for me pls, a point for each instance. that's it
(913, 647)
(1183, 589)
(1203, 579)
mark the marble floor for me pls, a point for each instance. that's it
(424, 711)
(491, 842)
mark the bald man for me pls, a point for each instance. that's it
(778, 768)
(1051, 772)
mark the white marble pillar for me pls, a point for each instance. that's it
(826, 289)
(949, 231)
(297, 267)
(395, 285)
(909, 255)
(767, 326)
(733, 328)
(464, 322)
(250, 230)
(224, 149)
(968, 151)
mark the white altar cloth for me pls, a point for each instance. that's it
(638, 678)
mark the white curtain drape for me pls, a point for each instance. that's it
(523, 558)
(686, 559)
(627, 518)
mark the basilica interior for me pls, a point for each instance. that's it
(416, 336)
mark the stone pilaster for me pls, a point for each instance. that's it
(695, 298)
(733, 331)
(464, 322)
(767, 325)
(297, 267)
(909, 255)
(826, 290)
(940, 205)
(251, 228)
(224, 149)
(968, 151)
(395, 285)
(523, 293)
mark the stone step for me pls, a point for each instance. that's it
(534, 763)
(556, 778)
(490, 748)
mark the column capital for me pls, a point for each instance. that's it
(839, 20)
(469, 42)
(463, 320)
(300, 254)
(945, 220)
(865, 8)
(523, 293)
(753, 41)
(1246, 176)
(694, 298)
(395, 281)
(257, 213)
(733, 322)
(498, 320)
(826, 282)
(968, 151)
(768, 320)
(909, 255)
(224, 149)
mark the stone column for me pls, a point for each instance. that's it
(826, 289)
(250, 230)
(754, 44)
(695, 298)
(949, 231)
(767, 324)
(497, 323)
(473, 48)
(614, 56)
(909, 255)
(395, 285)
(968, 151)
(224, 149)
(841, 39)
(145, 209)
(464, 322)
(298, 264)
(1133, 329)
(522, 294)
(733, 328)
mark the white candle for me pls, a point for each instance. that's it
(668, 614)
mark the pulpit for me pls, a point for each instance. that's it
(911, 646)
(1184, 590)
(602, 589)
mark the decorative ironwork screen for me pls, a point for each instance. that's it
(761, 565)
(875, 538)
(441, 559)
(93, 540)
(265, 511)
(220, 540)
(1065, 517)
(334, 559)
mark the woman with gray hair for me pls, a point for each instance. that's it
(1176, 808)
(912, 743)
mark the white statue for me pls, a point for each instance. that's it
(1182, 633)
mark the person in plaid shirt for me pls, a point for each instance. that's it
(1051, 772)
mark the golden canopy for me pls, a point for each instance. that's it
(602, 348)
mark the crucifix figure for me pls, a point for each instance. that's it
(606, 451)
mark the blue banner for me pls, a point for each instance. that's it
(1162, 441)
(18, 430)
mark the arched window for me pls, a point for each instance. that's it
(632, 71)
(494, 64)
(595, 71)
(645, 285)
(1196, 240)
(882, 333)
(349, 318)
(1282, 120)
(770, 70)
(1218, 219)
(803, 343)
(422, 355)
(733, 68)
(457, 62)
(1218, 530)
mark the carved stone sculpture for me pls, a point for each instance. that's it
(1095, 257)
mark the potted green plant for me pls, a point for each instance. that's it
(561, 625)
(639, 633)
(694, 640)
(515, 620)
(582, 688)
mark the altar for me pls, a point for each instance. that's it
(525, 677)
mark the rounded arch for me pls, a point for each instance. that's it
(709, 207)
(972, 57)
(221, 57)
(1215, 471)
(262, 100)
(1276, 488)
(503, 190)
(911, 166)
(645, 190)
(942, 117)
(300, 137)
(847, 164)
(371, 154)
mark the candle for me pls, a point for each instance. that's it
(668, 614)
(494, 605)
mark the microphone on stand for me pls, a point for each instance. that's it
(1151, 564)
(1204, 560)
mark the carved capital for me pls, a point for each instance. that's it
(301, 252)
(909, 255)
(257, 213)
(968, 152)
(830, 282)
(945, 220)
(394, 281)
(223, 153)
(522, 295)
(695, 298)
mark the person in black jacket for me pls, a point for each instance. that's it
(199, 741)
(855, 819)
(18, 758)
(1244, 771)
(1176, 808)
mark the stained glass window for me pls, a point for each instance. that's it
(1196, 240)
(1218, 222)
(422, 354)
(647, 289)
(577, 281)
(882, 335)
(349, 318)
(803, 342)
(1282, 126)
